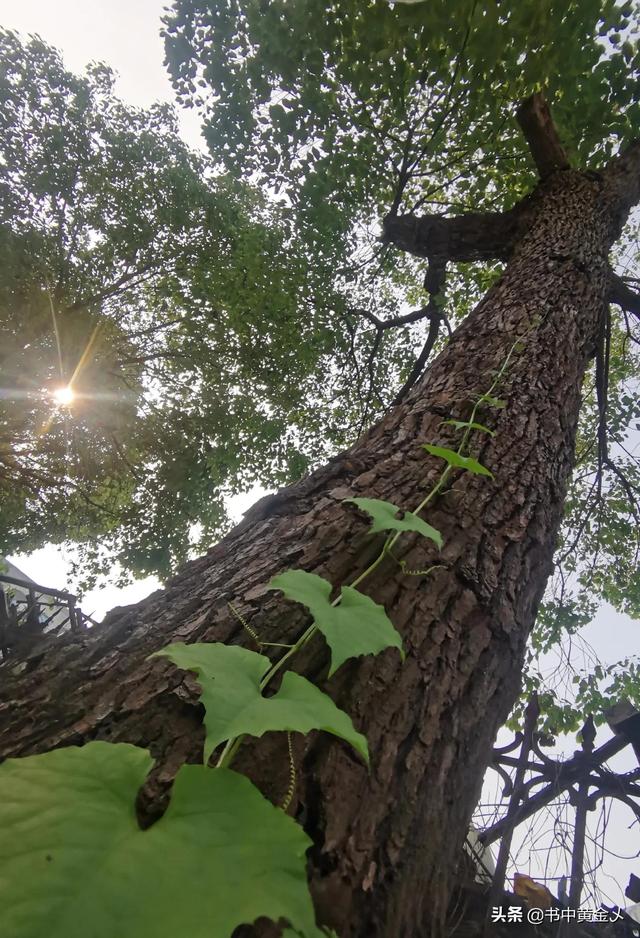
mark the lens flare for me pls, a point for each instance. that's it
(64, 396)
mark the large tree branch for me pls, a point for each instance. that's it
(481, 236)
(622, 183)
(488, 236)
(416, 315)
(421, 360)
(433, 284)
(539, 131)
(623, 296)
(474, 236)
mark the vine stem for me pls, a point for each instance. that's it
(393, 538)
(232, 745)
(288, 798)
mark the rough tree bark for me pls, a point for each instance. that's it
(386, 842)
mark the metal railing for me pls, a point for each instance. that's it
(31, 611)
(533, 781)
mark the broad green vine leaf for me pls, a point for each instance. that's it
(75, 863)
(458, 461)
(357, 626)
(493, 401)
(292, 933)
(471, 425)
(230, 680)
(384, 518)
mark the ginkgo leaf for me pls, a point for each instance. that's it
(74, 861)
(458, 461)
(357, 626)
(230, 680)
(384, 518)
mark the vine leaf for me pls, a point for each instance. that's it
(74, 860)
(466, 424)
(292, 933)
(492, 401)
(230, 680)
(457, 461)
(357, 626)
(384, 518)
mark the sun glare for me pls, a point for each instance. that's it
(64, 396)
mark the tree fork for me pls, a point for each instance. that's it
(386, 841)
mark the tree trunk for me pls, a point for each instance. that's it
(386, 841)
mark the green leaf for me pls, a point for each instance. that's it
(493, 401)
(357, 626)
(293, 933)
(384, 518)
(230, 680)
(464, 424)
(75, 862)
(458, 461)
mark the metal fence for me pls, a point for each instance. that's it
(29, 611)
(532, 781)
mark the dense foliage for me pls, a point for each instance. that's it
(202, 343)
(356, 109)
(232, 304)
(342, 103)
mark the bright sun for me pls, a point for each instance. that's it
(64, 395)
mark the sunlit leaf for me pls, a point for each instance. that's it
(230, 680)
(457, 461)
(356, 626)
(384, 518)
(465, 424)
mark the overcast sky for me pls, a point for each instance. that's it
(124, 34)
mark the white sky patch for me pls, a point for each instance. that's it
(124, 34)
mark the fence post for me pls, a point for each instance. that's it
(32, 619)
(532, 713)
(580, 800)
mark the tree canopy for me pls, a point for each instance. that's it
(179, 325)
(353, 106)
(195, 332)
(377, 113)
(238, 317)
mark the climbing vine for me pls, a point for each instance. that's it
(222, 855)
